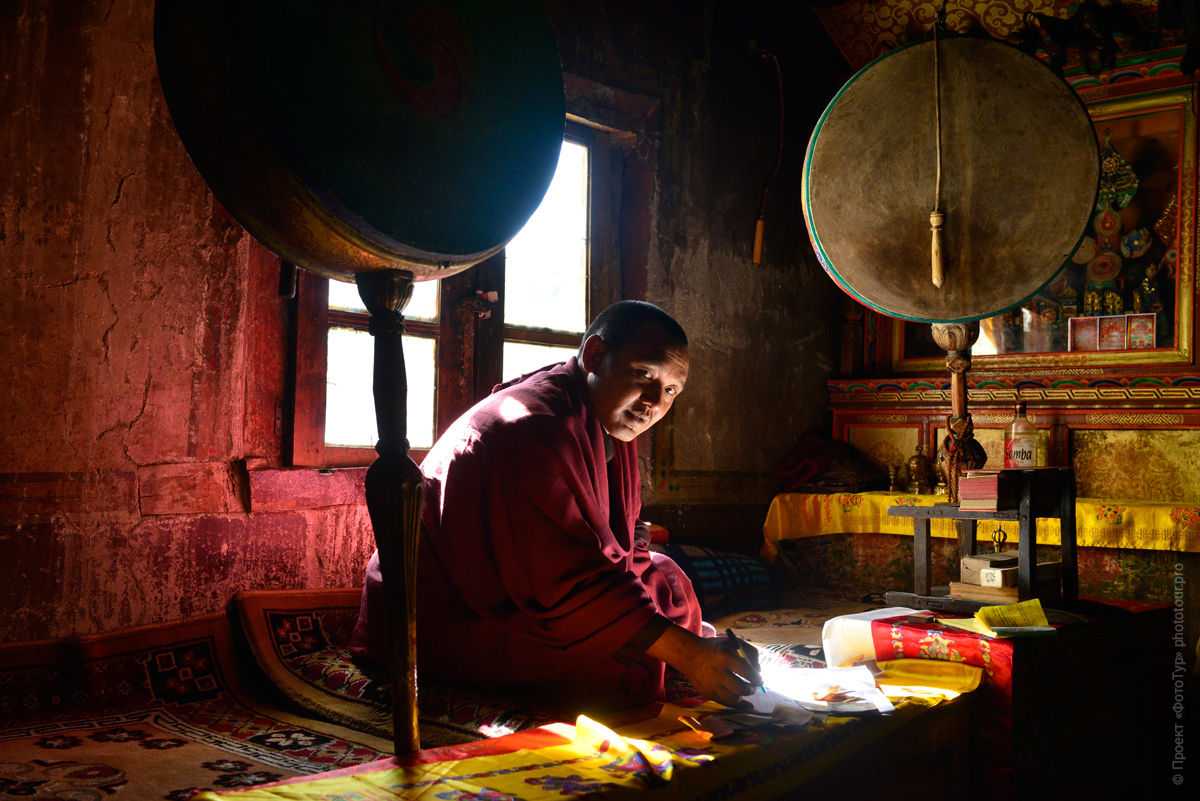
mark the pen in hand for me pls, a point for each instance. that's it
(737, 649)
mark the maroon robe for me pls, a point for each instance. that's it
(528, 570)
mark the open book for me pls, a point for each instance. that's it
(1010, 620)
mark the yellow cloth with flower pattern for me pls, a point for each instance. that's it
(658, 757)
(1098, 523)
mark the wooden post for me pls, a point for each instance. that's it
(395, 493)
(1067, 534)
(922, 561)
(967, 540)
(1027, 544)
(963, 451)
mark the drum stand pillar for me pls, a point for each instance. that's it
(395, 490)
(963, 452)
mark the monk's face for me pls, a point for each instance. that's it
(633, 387)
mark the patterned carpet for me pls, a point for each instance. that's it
(208, 703)
(298, 640)
(152, 713)
(792, 632)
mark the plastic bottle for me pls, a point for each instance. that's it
(1020, 441)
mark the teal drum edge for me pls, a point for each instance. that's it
(1056, 223)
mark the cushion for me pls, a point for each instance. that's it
(299, 639)
(725, 582)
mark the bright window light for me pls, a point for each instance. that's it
(349, 402)
(521, 358)
(545, 265)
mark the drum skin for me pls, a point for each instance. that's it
(1020, 171)
(368, 135)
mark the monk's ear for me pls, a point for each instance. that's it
(592, 353)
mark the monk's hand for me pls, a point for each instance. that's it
(712, 665)
(749, 656)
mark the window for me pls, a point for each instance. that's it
(546, 272)
(551, 279)
(349, 370)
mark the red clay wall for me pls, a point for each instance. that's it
(143, 353)
(141, 380)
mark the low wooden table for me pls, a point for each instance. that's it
(1045, 492)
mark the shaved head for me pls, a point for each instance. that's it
(621, 322)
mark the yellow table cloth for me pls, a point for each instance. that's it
(1098, 523)
(658, 757)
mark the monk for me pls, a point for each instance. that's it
(531, 570)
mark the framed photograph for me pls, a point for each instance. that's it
(1084, 334)
(1112, 332)
(1141, 331)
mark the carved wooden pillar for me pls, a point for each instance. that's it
(395, 491)
(962, 451)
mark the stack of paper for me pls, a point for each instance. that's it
(1012, 620)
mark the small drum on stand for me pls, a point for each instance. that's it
(946, 182)
(379, 141)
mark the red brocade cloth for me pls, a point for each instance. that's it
(894, 638)
(528, 569)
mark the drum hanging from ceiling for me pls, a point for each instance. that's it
(1019, 168)
(367, 134)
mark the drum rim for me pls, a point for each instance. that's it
(806, 201)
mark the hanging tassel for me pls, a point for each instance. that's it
(936, 218)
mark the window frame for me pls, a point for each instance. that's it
(596, 190)
(468, 349)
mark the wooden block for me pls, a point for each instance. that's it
(982, 560)
(1008, 576)
(1044, 589)
(998, 577)
(975, 592)
(969, 566)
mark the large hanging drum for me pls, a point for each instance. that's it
(368, 134)
(1019, 165)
